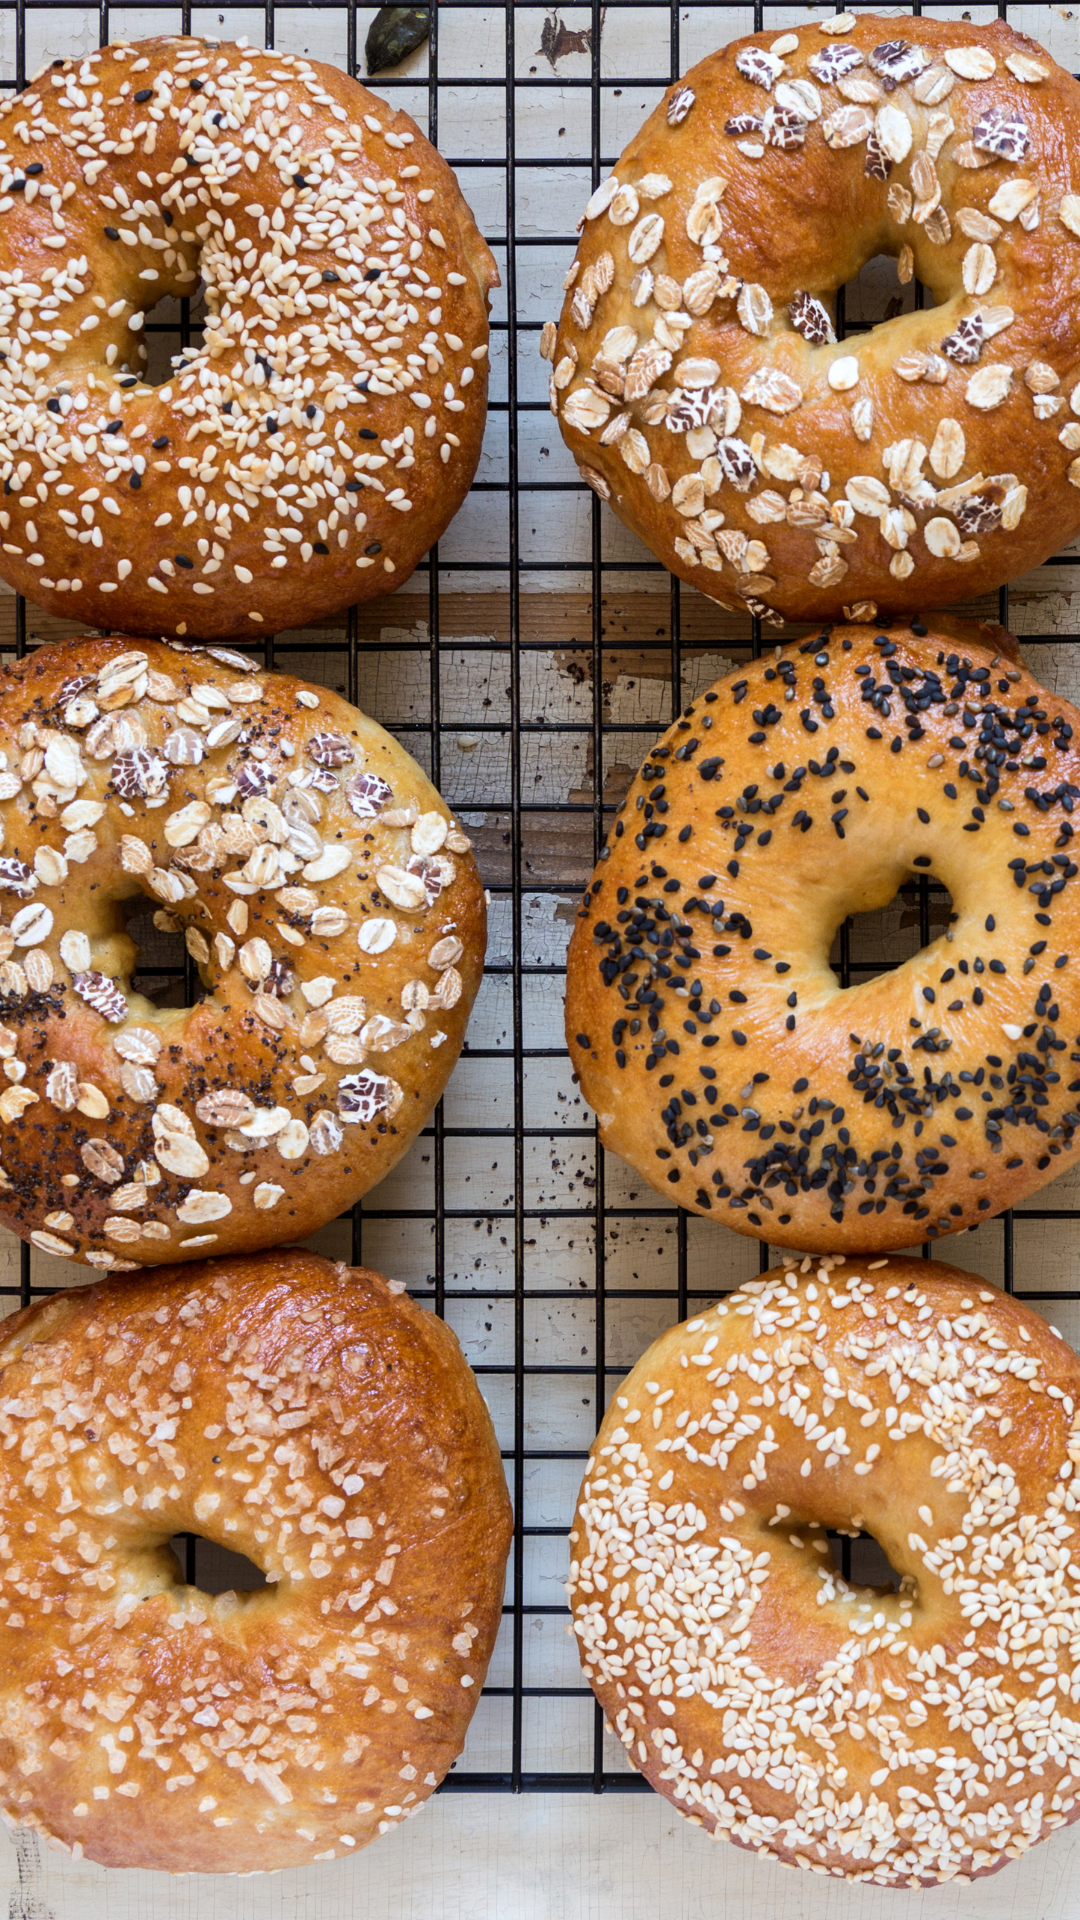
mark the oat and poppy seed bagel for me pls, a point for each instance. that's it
(330, 904)
(310, 1417)
(697, 376)
(711, 1037)
(321, 437)
(897, 1738)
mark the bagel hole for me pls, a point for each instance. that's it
(916, 916)
(863, 1562)
(215, 1569)
(160, 972)
(876, 295)
(163, 335)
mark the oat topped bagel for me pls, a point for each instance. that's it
(330, 904)
(711, 1036)
(697, 375)
(316, 443)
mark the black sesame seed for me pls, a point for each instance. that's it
(113, 426)
(373, 549)
(135, 481)
(319, 546)
(111, 233)
(182, 560)
(144, 93)
(367, 433)
(372, 273)
(330, 274)
(163, 441)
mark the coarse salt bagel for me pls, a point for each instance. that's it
(710, 1034)
(326, 896)
(320, 439)
(310, 1417)
(698, 380)
(898, 1738)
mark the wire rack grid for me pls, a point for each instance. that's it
(555, 1275)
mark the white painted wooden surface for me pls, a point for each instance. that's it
(551, 1857)
(559, 1857)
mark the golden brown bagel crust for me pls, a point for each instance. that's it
(310, 1417)
(706, 1025)
(309, 452)
(898, 1738)
(327, 897)
(776, 467)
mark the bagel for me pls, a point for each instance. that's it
(900, 1738)
(331, 907)
(308, 453)
(311, 1417)
(710, 1035)
(697, 377)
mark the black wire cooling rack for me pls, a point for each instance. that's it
(514, 1747)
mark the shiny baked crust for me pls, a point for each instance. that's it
(330, 904)
(308, 453)
(310, 1417)
(735, 1075)
(697, 377)
(900, 1739)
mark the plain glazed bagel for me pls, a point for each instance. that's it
(308, 453)
(710, 1034)
(897, 1738)
(310, 1417)
(329, 902)
(697, 376)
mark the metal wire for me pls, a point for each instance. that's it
(518, 818)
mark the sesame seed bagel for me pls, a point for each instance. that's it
(698, 379)
(709, 1032)
(319, 440)
(310, 1417)
(326, 896)
(899, 1738)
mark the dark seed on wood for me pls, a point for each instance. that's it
(394, 32)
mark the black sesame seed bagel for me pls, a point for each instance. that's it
(710, 1034)
(329, 902)
(316, 443)
(697, 376)
(895, 1738)
(310, 1417)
